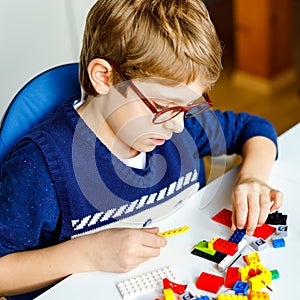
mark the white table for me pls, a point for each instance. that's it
(197, 214)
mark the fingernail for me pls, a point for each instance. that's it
(249, 232)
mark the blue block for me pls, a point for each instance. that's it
(240, 287)
(237, 236)
(278, 243)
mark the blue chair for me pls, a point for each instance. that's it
(39, 97)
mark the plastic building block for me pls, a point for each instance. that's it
(210, 244)
(264, 231)
(282, 230)
(175, 287)
(251, 258)
(174, 231)
(203, 246)
(237, 236)
(241, 287)
(229, 260)
(193, 290)
(144, 283)
(276, 237)
(169, 294)
(214, 258)
(278, 241)
(195, 293)
(232, 276)
(226, 247)
(223, 217)
(231, 297)
(262, 279)
(276, 218)
(275, 274)
(246, 273)
(188, 296)
(257, 283)
(209, 282)
(255, 273)
(259, 244)
(258, 296)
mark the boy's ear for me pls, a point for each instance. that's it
(100, 73)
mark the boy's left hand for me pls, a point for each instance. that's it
(252, 201)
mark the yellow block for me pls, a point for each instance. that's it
(169, 294)
(231, 297)
(174, 231)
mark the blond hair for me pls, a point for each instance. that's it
(172, 39)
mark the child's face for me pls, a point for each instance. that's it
(131, 120)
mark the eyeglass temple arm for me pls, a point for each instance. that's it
(207, 99)
(133, 86)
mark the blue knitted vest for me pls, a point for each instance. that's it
(96, 190)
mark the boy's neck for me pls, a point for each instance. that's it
(90, 112)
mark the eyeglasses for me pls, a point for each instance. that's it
(165, 114)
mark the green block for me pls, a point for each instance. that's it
(275, 274)
(203, 246)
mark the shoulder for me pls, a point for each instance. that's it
(25, 173)
(28, 200)
(24, 156)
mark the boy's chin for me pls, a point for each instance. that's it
(145, 148)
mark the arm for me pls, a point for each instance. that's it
(252, 198)
(253, 137)
(113, 250)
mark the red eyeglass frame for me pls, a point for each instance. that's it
(178, 109)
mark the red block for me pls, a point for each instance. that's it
(209, 282)
(232, 276)
(175, 287)
(264, 231)
(223, 217)
(224, 246)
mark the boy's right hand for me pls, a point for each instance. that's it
(121, 249)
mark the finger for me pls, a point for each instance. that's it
(233, 221)
(264, 207)
(241, 208)
(153, 230)
(253, 213)
(153, 240)
(277, 198)
(149, 252)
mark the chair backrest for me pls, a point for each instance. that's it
(39, 97)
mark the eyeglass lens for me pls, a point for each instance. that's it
(195, 110)
(167, 115)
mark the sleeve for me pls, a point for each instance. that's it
(217, 133)
(29, 208)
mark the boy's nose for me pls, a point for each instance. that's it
(176, 124)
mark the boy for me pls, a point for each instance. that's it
(80, 191)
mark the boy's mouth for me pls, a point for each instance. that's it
(157, 142)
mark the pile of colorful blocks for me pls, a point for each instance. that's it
(244, 282)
